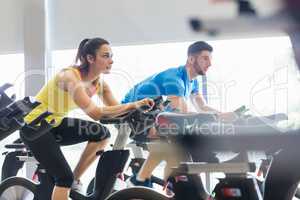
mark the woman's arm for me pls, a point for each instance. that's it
(106, 95)
(69, 82)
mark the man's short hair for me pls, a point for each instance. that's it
(199, 46)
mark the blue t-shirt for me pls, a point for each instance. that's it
(173, 81)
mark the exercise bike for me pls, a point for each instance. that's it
(130, 120)
(12, 112)
(11, 115)
(237, 184)
(110, 165)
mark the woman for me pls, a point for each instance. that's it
(71, 88)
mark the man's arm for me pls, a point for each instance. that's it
(200, 105)
(178, 103)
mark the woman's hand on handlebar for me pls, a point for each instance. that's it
(145, 104)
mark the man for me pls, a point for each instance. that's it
(178, 84)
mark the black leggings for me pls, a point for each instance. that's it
(46, 149)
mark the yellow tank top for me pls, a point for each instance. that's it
(54, 100)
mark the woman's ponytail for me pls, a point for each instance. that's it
(81, 51)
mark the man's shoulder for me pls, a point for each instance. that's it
(173, 72)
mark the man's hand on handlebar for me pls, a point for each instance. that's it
(145, 104)
(228, 116)
(233, 116)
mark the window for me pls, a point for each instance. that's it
(244, 71)
(254, 73)
(12, 66)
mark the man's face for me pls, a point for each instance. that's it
(201, 62)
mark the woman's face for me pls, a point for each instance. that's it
(103, 59)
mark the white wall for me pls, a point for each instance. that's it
(25, 28)
(128, 22)
(11, 26)
(125, 22)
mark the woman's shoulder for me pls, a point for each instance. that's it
(67, 75)
(71, 72)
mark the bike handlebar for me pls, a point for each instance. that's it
(137, 114)
(12, 112)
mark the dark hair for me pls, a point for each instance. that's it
(199, 46)
(88, 47)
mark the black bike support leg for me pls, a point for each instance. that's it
(46, 185)
(11, 164)
(110, 165)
